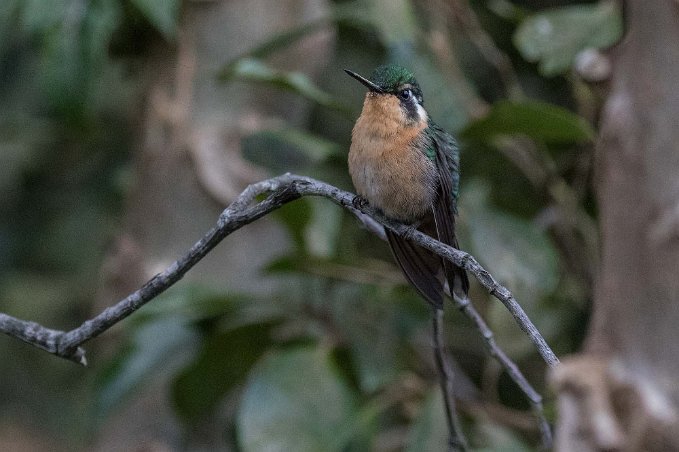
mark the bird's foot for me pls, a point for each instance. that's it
(408, 231)
(359, 202)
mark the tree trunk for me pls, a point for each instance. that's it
(622, 392)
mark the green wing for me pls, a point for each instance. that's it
(445, 208)
(424, 269)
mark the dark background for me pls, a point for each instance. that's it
(126, 126)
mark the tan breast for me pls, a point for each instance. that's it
(385, 164)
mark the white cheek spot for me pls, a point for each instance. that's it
(421, 113)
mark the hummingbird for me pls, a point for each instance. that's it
(406, 166)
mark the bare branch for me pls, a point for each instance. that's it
(510, 367)
(457, 440)
(242, 211)
(39, 336)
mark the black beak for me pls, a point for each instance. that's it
(371, 86)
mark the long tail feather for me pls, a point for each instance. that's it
(421, 267)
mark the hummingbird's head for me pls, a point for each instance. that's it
(394, 86)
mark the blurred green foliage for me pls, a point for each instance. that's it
(554, 37)
(339, 358)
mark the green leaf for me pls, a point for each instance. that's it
(323, 232)
(295, 216)
(295, 400)
(102, 20)
(496, 437)
(74, 49)
(554, 37)
(429, 432)
(516, 251)
(194, 303)
(38, 16)
(315, 148)
(540, 121)
(314, 226)
(286, 39)
(162, 14)
(289, 149)
(253, 70)
(394, 20)
(374, 322)
(223, 362)
(157, 346)
(285, 264)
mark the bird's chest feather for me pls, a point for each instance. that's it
(389, 169)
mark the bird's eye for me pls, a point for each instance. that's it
(405, 94)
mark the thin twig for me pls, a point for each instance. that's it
(245, 210)
(509, 366)
(37, 335)
(457, 440)
(238, 214)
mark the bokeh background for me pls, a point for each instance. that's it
(126, 126)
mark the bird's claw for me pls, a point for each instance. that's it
(359, 202)
(409, 231)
